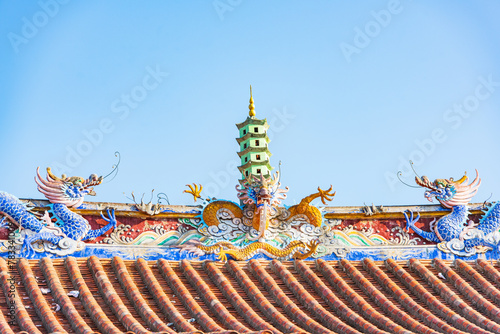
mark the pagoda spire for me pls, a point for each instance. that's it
(251, 107)
(253, 142)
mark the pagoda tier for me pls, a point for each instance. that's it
(251, 164)
(253, 150)
(253, 121)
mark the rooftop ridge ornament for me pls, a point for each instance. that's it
(251, 106)
(66, 234)
(258, 224)
(454, 232)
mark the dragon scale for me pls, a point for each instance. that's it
(12, 207)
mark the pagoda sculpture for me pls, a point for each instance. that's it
(253, 141)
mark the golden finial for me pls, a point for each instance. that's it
(251, 107)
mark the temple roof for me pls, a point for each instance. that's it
(116, 296)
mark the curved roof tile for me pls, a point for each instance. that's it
(124, 296)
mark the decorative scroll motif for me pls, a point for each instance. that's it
(155, 235)
(454, 233)
(341, 241)
(59, 231)
(330, 243)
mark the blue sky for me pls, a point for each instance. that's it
(352, 91)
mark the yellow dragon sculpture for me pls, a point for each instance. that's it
(312, 213)
(225, 224)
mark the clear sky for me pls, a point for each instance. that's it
(352, 90)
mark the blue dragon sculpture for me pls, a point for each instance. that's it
(454, 232)
(67, 233)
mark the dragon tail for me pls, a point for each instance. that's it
(488, 226)
(491, 219)
(14, 209)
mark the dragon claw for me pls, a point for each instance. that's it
(326, 195)
(194, 190)
(313, 243)
(410, 221)
(27, 249)
(222, 256)
(111, 215)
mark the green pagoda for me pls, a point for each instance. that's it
(253, 141)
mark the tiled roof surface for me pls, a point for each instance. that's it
(117, 296)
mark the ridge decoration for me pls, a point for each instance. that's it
(59, 231)
(455, 233)
(259, 225)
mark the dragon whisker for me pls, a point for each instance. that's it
(403, 182)
(484, 204)
(114, 167)
(413, 169)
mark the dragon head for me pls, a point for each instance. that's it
(449, 192)
(66, 190)
(258, 190)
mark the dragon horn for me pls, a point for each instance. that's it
(462, 179)
(52, 176)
